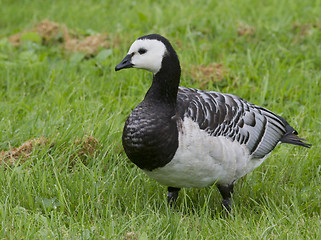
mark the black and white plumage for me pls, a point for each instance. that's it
(184, 137)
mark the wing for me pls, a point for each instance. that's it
(227, 115)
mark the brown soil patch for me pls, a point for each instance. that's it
(23, 152)
(89, 45)
(246, 30)
(85, 147)
(15, 39)
(303, 29)
(48, 31)
(204, 74)
(130, 236)
(56, 33)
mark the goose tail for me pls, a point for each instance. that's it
(291, 137)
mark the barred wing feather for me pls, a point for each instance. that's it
(227, 115)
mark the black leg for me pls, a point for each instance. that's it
(172, 195)
(226, 192)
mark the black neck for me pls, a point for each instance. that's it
(165, 82)
(150, 136)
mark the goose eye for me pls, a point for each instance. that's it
(142, 51)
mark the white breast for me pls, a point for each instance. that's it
(202, 160)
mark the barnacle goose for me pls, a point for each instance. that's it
(184, 137)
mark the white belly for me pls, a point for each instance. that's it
(202, 160)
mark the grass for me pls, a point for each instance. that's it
(272, 52)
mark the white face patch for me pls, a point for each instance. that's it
(147, 54)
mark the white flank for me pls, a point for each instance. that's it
(202, 160)
(152, 59)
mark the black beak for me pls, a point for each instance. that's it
(125, 63)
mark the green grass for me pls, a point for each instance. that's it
(45, 91)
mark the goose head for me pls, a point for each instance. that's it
(147, 52)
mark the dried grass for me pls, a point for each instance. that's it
(24, 151)
(48, 31)
(89, 45)
(303, 29)
(85, 147)
(130, 236)
(52, 32)
(246, 30)
(205, 74)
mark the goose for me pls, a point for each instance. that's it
(184, 137)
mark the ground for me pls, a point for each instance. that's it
(64, 173)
